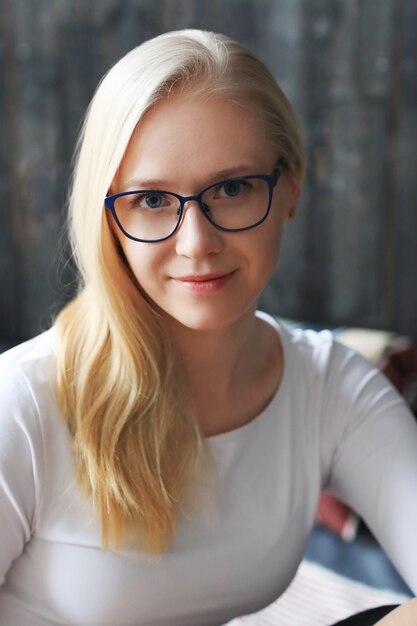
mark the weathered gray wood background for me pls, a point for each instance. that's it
(349, 67)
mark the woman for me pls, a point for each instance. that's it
(163, 445)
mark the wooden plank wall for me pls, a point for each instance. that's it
(349, 67)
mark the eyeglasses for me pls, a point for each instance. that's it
(232, 205)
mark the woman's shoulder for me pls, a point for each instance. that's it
(301, 343)
(316, 357)
(31, 354)
(28, 373)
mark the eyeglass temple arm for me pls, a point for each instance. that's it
(282, 162)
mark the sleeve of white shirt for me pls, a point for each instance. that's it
(372, 438)
(20, 443)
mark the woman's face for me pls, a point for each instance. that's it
(202, 277)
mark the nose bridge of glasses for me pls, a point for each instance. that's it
(197, 198)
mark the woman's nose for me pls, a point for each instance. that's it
(196, 236)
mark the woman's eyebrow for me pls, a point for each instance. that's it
(160, 183)
(136, 183)
(238, 170)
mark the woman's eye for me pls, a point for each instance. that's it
(152, 201)
(232, 188)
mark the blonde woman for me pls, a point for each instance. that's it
(163, 445)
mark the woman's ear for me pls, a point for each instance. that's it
(294, 192)
(112, 224)
(114, 234)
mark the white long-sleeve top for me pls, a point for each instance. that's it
(335, 423)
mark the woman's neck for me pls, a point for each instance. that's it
(215, 358)
(231, 373)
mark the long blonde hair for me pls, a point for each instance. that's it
(137, 444)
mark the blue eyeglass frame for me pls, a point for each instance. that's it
(271, 179)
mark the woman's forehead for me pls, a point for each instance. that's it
(195, 134)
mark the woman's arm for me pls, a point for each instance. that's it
(18, 446)
(405, 615)
(372, 436)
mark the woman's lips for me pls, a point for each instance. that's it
(204, 283)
